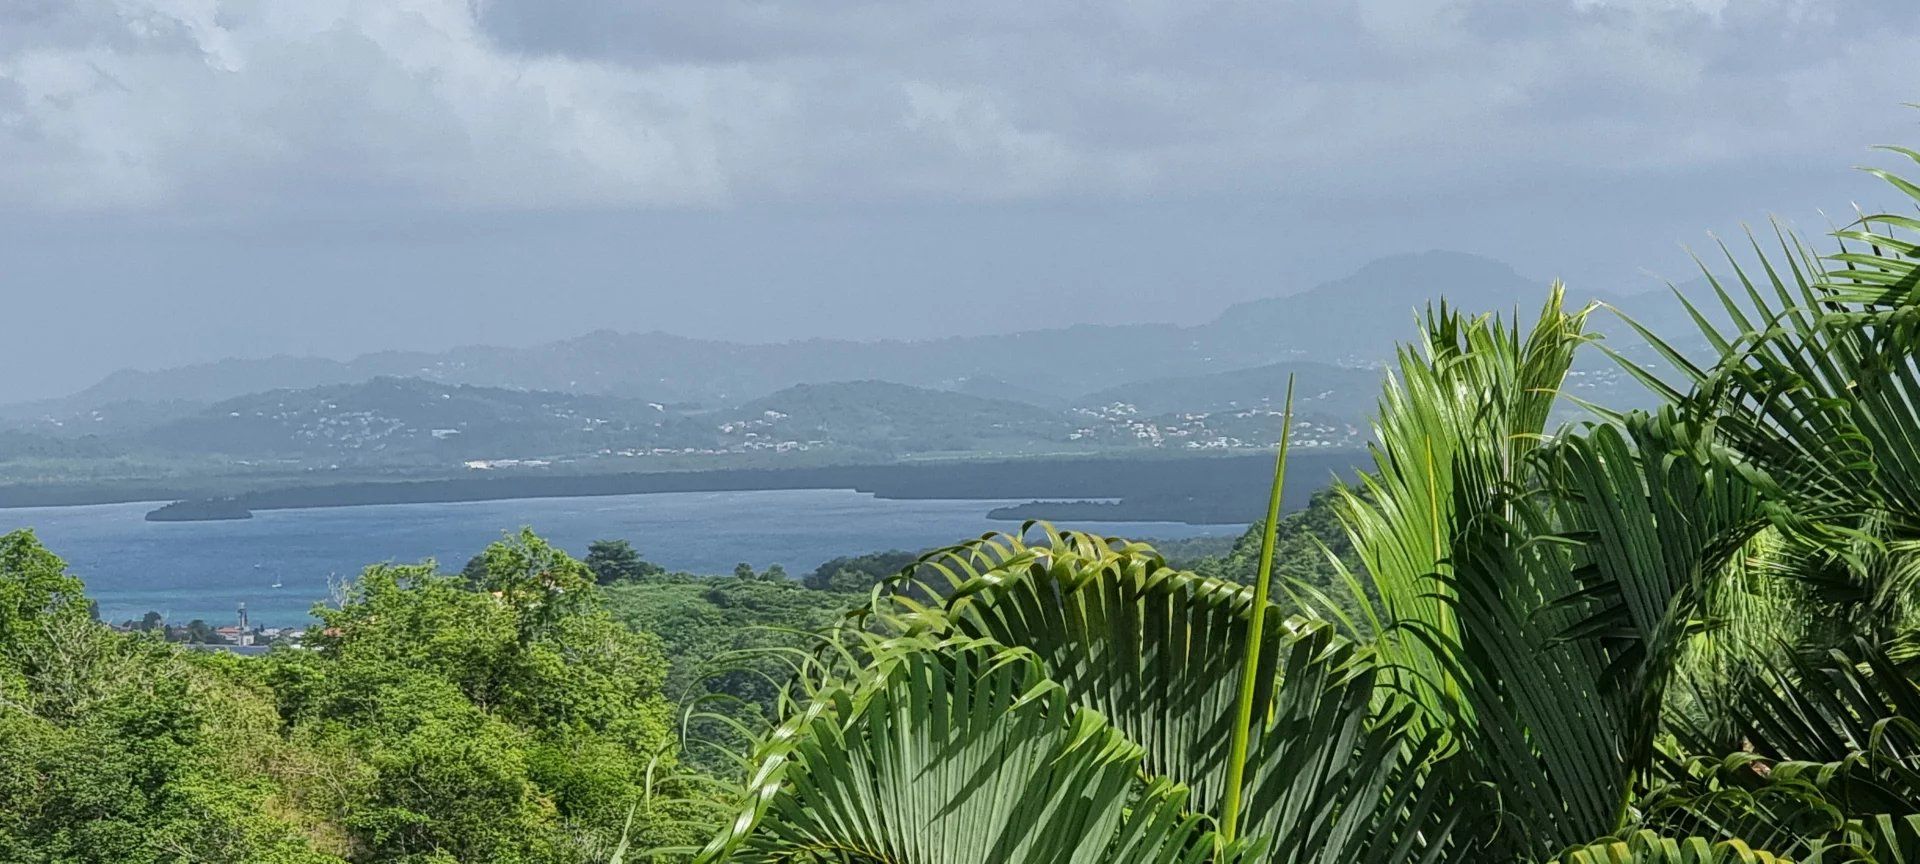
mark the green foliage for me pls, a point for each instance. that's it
(516, 723)
(614, 561)
(508, 718)
(732, 642)
(1310, 549)
(36, 594)
(1107, 647)
(860, 572)
(124, 749)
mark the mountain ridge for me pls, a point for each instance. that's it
(1351, 321)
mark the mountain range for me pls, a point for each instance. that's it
(1067, 389)
(1353, 321)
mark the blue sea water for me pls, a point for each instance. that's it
(187, 570)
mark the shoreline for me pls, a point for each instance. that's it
(1191, 489)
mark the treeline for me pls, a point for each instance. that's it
(431, 719)
(1179, 488)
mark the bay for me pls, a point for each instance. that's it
(187, 570)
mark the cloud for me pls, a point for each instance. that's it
(270, 106)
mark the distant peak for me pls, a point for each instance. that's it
(1426, 265)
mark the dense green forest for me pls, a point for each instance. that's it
(519, 709)
(1683, 634)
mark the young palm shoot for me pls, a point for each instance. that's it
(1256, 631)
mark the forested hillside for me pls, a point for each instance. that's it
(1349, 323)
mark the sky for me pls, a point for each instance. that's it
(185, 180)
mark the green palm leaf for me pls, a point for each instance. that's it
(1650, 848)
(959, 751)
(1156, 650)
(1461, 416)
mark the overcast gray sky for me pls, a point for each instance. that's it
(183, 180)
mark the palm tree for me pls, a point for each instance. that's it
(1678, 635)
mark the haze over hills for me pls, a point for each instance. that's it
(883, 415)
(610, 401)
(1322, 388)
(416, 424)
(607, 406)
(408, 418)
(1353, 321)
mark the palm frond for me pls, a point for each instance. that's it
(1650, 848)
(1156, 649)
(1463, 413)
(955, 751)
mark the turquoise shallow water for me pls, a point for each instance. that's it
(187, 570)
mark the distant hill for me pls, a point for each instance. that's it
(211, 382)
(1350, 321)
(404, 418)
(1137, 385)
(1320, 388)
(1000, 388)
(673, 369)
(1357, 319)
(896, 417)
(18, 445)
(409, 420)
(74, 418)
